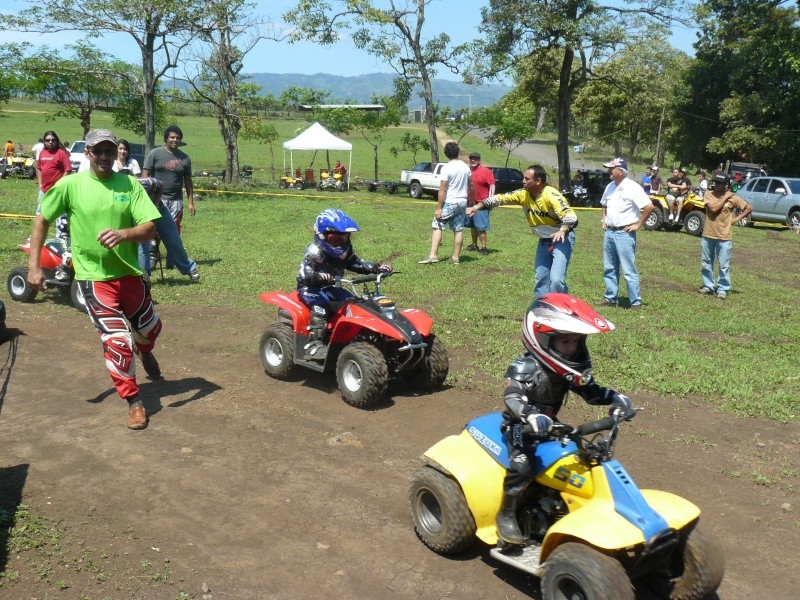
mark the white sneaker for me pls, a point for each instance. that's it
(671, 217)
(62, 273)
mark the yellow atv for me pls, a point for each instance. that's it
(692, 216)
(18, 165)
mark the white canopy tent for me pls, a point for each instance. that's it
(317, 137)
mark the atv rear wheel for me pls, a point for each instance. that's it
(299, 185)
(694, 222)
(277, 351)
(655, 219)
(76, 295)
(282, 185)
(30, 172)
(362, 375)
(694, 571)
(442, 519)
(432, 371)
(578, 571)
(18, 287)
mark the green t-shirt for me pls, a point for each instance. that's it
(93, 204)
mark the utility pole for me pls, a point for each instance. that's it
(658, 138)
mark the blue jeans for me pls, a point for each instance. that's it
(619, 250)
(723, 250)
(168, 232)
(550, 269)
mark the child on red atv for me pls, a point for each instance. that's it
(325, 259)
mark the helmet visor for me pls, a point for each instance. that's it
(335, 238)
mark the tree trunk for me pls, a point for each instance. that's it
(375, 147)
(430, 113)
(562, 119)
(540, 121)
(149, 88)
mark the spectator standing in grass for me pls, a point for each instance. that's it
(109, 213)
(125, 163)
(8, 150)
(625, 209)
(720, 204)
(552, 221)
(173, 168)
(483, 185)
(53, 163)
(37, 148)
(454, 189)
(647, 178)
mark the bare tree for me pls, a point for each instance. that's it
(215, 75)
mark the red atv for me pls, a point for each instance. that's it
(368, 340)
(20, 290)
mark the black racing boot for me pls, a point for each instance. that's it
(316, 349)
(506, 521)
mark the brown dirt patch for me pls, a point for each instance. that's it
(245, 487)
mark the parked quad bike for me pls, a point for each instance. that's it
(692, 216)
(19, 166)
(369, 341)
(287, 181)
(330, 181)
(20, 290)
(590, 530)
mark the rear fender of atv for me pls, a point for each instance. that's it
(477, 473)
(291, 304)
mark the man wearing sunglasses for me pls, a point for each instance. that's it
(108, 213)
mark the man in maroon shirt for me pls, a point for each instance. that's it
(483, 181)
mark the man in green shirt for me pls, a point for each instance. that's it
(108, 214)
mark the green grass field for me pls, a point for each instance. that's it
(740, 354)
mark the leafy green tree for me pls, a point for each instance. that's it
(395, 34)
(11, 56)
(745, 103)
(578, 32)
(130, 114)
(294, 96)
(625, 98)
(265, 132)
(411, 142)
(162, 29)
(508, 125)
(79, 85)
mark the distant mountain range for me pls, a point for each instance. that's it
(361, 88)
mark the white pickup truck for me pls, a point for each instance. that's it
(422, 179)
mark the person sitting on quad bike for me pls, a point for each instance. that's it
(325, 259)
(556, 362)
(678, 187)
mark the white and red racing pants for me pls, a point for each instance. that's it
(112, 306)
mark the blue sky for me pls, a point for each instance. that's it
(308, 58)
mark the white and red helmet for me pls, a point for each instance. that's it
(558, 314)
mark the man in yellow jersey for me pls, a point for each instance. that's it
(552, 221)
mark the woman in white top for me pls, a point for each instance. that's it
(124, 163)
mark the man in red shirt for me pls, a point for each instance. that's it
(483, 181)
(53, 163)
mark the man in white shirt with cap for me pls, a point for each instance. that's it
(625, 209)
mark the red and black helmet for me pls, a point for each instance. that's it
(561, 314)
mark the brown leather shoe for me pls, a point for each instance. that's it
(137, 417)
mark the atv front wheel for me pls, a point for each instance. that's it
(694, 569)
(442, 519)
(18, 287)
(578, 571)
(694, 222)
(362, 375)
(277, 352)
(432, 371)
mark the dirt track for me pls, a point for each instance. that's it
(244, 487)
